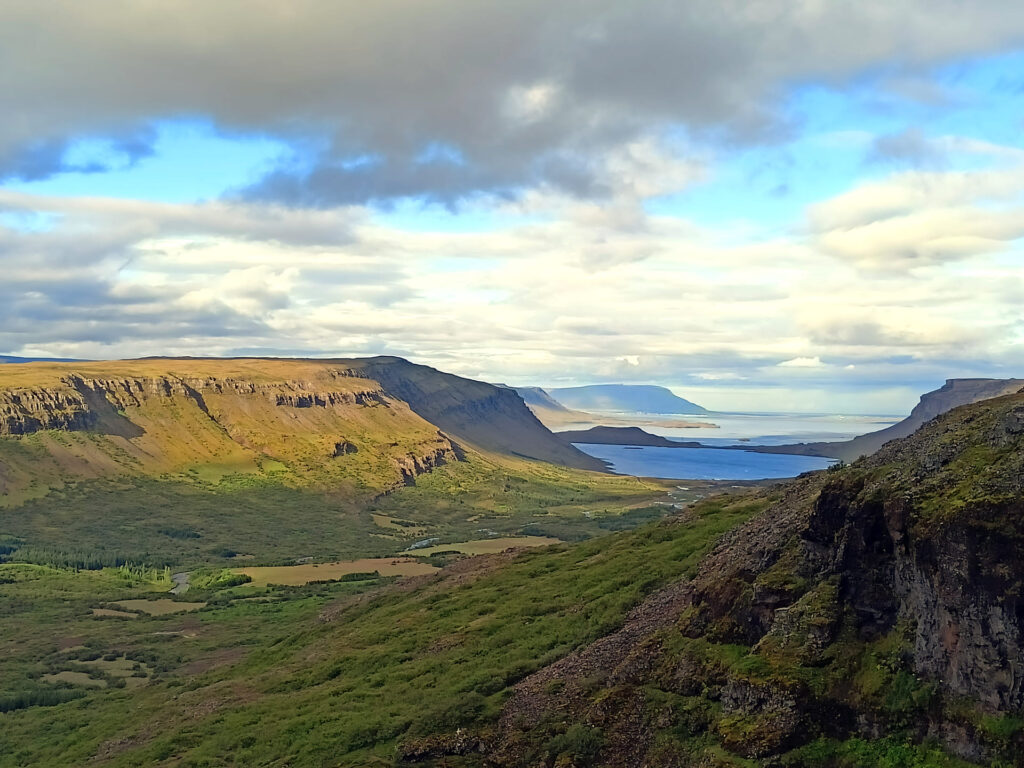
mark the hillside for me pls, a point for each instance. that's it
(190, 461)
(367, 423)
(488, 417)
(864, 608)
(865, 616)
(625, 397)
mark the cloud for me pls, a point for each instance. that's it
(908, 147)
(668, 301)
(802, 362)
(917, 219)
(527, 94)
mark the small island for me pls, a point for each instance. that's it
(621, 436)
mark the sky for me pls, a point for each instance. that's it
(766, 205)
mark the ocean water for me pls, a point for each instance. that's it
(701, 463)
(736, 429)
(756, 428)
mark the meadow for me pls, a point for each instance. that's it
(336, 673)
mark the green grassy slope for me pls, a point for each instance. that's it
(320, 675)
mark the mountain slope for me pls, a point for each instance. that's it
(314, 422)
(536, 397)
(877, 603)
(187, 461)
(489, 417)
(360, 424)
(624, 397)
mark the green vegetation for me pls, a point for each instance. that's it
(327, 678)
(187, 523)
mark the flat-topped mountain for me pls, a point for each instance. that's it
(639, 398)
(391, 419)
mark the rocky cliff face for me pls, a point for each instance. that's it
(24, 411)
(886, 598)
(79, 403)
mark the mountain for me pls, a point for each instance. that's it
(262, 456)
(535, 397)
(10, 359)
(953, 393)
(488, 417)
(247, 410)
(551, 413)
(638, 398)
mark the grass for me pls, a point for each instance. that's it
(186, 523)
(326, 678)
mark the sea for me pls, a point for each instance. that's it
(731, 429)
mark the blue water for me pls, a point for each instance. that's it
(701, 463)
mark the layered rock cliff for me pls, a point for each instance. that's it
(79, 403)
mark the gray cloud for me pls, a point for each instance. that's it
(527, 92)
(909, 147)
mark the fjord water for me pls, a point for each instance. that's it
(701, 463)
(733, 429)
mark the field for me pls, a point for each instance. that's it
(485, 546)
(294, 575)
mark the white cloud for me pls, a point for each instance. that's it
(802, 362)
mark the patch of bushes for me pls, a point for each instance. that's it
(42, 697)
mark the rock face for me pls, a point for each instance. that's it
(887, 596)
(24, 411)
(412, 465)
(79, 403)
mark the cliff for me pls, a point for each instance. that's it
(881, 603)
